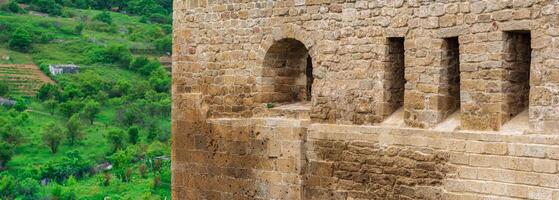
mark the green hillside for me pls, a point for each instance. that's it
(101, 133)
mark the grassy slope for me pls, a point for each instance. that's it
(68, 48)
(94, 146)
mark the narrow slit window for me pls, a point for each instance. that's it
(394, 74)
(452, 79)
(517, 60)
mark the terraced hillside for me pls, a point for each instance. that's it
(24, 79)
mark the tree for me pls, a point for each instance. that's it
(6, 153)
(47, 6)
(52, 136)
(133, 135)
(91, 110)
(48, 91)
(4, 89)
(73, 130)
(112, 54)
(144, 7)
(7, 186)
(138, 63)
(71, 107)
(164, 44)
(160, 80)
(28, 188)
(10, 133)
(51, 106)
(104, 16)
(21, 105)
(117, 138)
(13, 7)
(20, 40)
(79, 29)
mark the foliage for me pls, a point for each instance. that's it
(160, 18)
(160, 80)
(91, 110)
(104, 16)
(4, 89)
(124, 94)
(21, 104)
(48, 91)
(144, 7)
(13, 7)
(138, 63)
(117, 138)
(52, 136)
(6, 153)
(148, 33)
(114, 53)
(7, 186)
(72, 164)
(133, 135)
(70, 107)
(11, 134)
(27, 189)
(20, 40)
(47, 6)
(79, 29)
(73, 130)
(164, 44)
(156, 149)
(51, 106)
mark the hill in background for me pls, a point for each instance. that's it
(103, 132)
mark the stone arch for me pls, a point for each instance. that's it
(286, 73)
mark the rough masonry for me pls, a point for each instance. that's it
(376, 99)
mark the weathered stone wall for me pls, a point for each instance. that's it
(484, 61)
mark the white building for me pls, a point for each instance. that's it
(63, 69)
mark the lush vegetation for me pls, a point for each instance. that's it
(102, 132)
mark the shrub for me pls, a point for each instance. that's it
(160, 18)
(79, 29)
(13, 7)
(160, 80)
(28, 188)
(117, 138)
(112, 54)
(48, 92)
(51, 106)
(20, 40)
(104, 16)
(47, 6)
(164, 44)
(6, 153)
(146, 34)
(138, 63)
(21, 105)
(144, 7)
(91, 110)
(4, 89)
(133, 135)
(73, 130)
(71, 107)
(52, 137)
(147, 69)
(72, 164)
(12, 134)
(7, 186)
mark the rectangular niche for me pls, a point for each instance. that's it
(516, 64)
(394, 75)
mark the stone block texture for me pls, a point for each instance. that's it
(289, 99)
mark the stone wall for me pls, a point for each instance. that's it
(473, 86)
